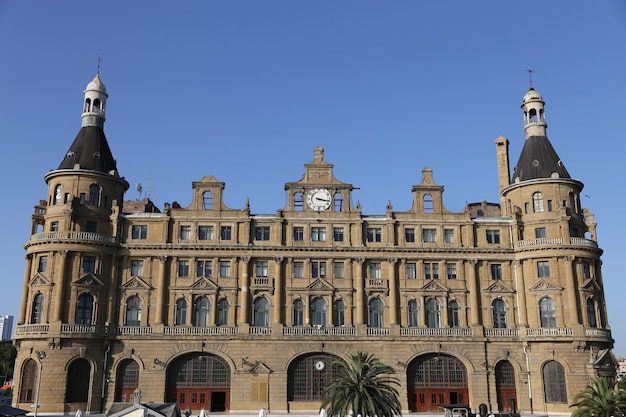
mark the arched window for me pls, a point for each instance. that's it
(338, 202)
(413, 313)
(538, 202)
(87, 105)
(498, 309)
(261, 312)
(572, 202)
(180, 315)
(376, 313)
(201, 311)
(433, 313)
(591, 313)
(554, 383)
(428, 203)
(547, 312)
(78, 382)
(339, 313)
(207, 200)
(84, 309)
(318, 312)
(97, 105)
(454, 319)
(298, 312)
(309, 375)
(37, 311)
(58, 195)
(533, 115)
(94, 195)
(133, 311)
(127, 380)
(222, 312)
(28, 381)
(298, 202)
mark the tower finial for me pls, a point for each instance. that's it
(99, 62)
(530, 76)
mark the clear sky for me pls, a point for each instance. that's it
(244, 91)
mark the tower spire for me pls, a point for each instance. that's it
(530, 76)
(94, 106)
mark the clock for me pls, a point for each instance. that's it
(320, 365)
(319, 199)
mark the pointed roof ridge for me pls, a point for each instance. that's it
(539, 160)
(90, 151)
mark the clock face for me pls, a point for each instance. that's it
(319, 199)
(319, 365)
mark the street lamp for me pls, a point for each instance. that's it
(40, 355)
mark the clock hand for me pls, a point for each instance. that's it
(321, 199)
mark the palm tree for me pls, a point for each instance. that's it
(601, 398)
(362, 386)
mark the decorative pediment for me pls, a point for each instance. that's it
(260, 368)
(499, 286)
(137, 284)
(39, 279)
(88, 280)
(605, 363)
(320, 285)
(590, 285)
(544, 285)
(204, 284)
(434, 285)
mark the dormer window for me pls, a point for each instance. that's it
(298, 202)
(428, 203)
(207, 200)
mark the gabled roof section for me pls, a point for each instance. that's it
(90, 151)
(538, 160)
(89, 280)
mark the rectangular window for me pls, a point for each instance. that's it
(409, 234)
(261, 268)
(298, 233)
(496, 271)
(540, 232)
(431, 270)
(224, 268)
(91, 227)
(493, 236)
(136, 268)
(318, 234)
(298, 269)
(140, 232)
(451, 270)
(338, 234)
(318, 269)
(54, 226)
(204, 268)
(226, 233)
(262, 233)
(43, 263)
(549, 205)
(411, 270)
(448, 235)
(89, 264)
(586, 269)
(338, 270)
(429, 235)
(543, 269)
(205, 232)
(375, 270)
(183, 268)
(374, 234)
(185, 232)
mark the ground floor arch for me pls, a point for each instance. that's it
(435, 379)
(505, 387)
(309, 374)
(199, 381)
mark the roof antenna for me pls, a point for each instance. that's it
(99, 62)
(530, 76)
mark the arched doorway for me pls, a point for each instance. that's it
(198, 381)
(436, 379)
(505, 387)
(308, 375)
(127, 380)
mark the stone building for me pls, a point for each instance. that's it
(222, 309)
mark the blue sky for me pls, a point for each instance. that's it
(244, 91)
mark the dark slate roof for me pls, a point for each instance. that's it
(90, 150)
(538, 160)
(8, 411)
(165, 409)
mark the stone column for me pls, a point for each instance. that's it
(59, 280)
(444, 313)
(25, 290)
(278, 289)
(360, 291)
(160, 295)
(572, 290)
(245, 291)
(393, 296)
(473, 293)
(518, 270)
(112, 287)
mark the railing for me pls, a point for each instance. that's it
(256, 330)
(133, 330)
(190, 330)
(546, 241)
(501, 332)
(83, 328)
(24, 329)
(593, 332)
(378, 331)
(434, 331)
(94, 237)
(263, 282)
(550, 331)
(313, 331)
(376, 283)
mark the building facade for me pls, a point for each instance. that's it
(6, 328)
(218, 308)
